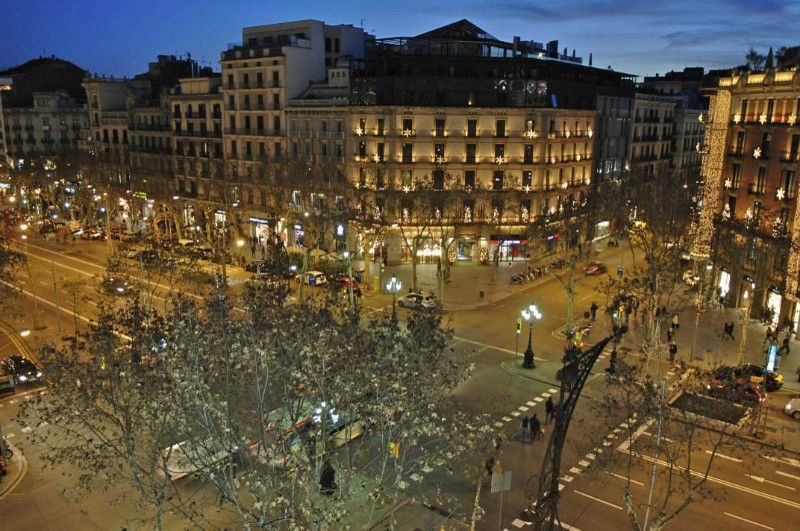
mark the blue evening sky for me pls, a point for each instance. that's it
(641, 37)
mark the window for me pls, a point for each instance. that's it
(732, 206)
(276, 125)
(276, 102)
(408, 153)
(736, 174)
(439, 127)
(276, 79)
(336, 45)
(381, 126)
(405, 178)
(380, 179)
(787, 184)
(176, 112)
(408, 124)
(471, 153)
(761, 180)
(469, 179)
(259, 79)
(438, 179)
(770, 109)
(528, 154)
(469, 210)
(744, 111)
(381, 150)
(328, 45)
(739, 143)
(499, 151)
(766, 139)
(527, 178)
(362, 177)
(472, 128)
(500, 128)
(497, 181)
(362, 150)
(438, 151)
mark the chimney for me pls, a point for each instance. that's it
(573, 53)
(590, 58)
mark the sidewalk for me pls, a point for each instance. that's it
(16, 467)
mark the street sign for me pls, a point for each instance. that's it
(501, 481)
(620, 271)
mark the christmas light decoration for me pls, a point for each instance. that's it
(737, 118)
(757, 152)
(780, 193)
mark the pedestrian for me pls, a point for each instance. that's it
(673, 350)
(327, 479)
(550, 410)
(524, 428)
(768, 337)
(784, 346)
(675, 324)
(593, 310)
(489, 466)
(612, 361)
(664, 312)
(727, 331)
(536, 427)
(628, 310)
(670, 333)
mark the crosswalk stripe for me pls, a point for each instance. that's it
(523, 408)
(546, 395)
(567, 478)
(575, 470)
(516, 413)
(539, 399)
(552, 390)
(584, 463)
(498, 424)
(26, 429)
(591, 456)
(531, 403)
(506, 419)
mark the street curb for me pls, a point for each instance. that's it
(515, 372)
(19, 342)
(7, 485)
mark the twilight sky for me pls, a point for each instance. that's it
(641, 37)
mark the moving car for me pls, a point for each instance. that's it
(312, 278)
(22, 369)
(792, 407)
(417, 300)
(92, 233)
(116, 285)
(594, 268)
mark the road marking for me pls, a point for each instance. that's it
(561, 486)
(43, 283)
(546, 395)
(516, 413)
(10, 435)
(584, 463)
(523, 408)
(662, 437)
(12, 401)
(784, 474)
(590, 456)
(552, 390)
(499, 424)
(91, 302)
(567, 478)
(720, 481)
(784, 460)
(749, 521)
(539, 399)
(26, 429)
(575, 470)
(617, 430)
(597, 499)
(764, 480)
(506, 419)
(566, 526)
(626, 479)
(43, 424)
(531, 403)
(723, 456)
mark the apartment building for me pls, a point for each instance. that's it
(51, 127)
(650, 152)
(195, 117)
(688, 136)
(748, 225)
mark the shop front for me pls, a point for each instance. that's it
(466, 248)
(601, 230)
(774, 302)
(509, 248)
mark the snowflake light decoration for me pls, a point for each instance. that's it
(406, 215)
(525, 213)
(780, 193)
(762, 119)
(757, 153)
(500, 160)
(495, 215)
(407, 133)
(726, 212)
(467, 214)
(728, 184)
(737, 118)
(792, 119)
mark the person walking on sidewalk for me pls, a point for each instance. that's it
(727, 331)
(593, 310)
(536, 427)
(768, 337)
(524, 428)
(670, 334)
(549, 410)
(673, 350)
(675, 324)
(784, 346)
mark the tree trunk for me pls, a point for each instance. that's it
(414, 243)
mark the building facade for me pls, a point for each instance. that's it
(650, 152)
(748, 225)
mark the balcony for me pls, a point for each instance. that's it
(755, 189)
(790, 157)
(254, 132)
(736, 152)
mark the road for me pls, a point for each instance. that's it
(487, 334)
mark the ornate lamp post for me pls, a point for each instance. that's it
(393, 286)
(745, 318)
(530, 314)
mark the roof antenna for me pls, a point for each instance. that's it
(362, 23)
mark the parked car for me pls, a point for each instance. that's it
(92, 233)
(267, 279)
(792, 407)
(342, 283)
(594, 268)
(313, 278)
(742, 393)
(255, 266)
(195, 456)
(22, 369)
(771, 381)
(417, 300)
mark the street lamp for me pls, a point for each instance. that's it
(745, 318)
(530, 314)
(393, 286)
